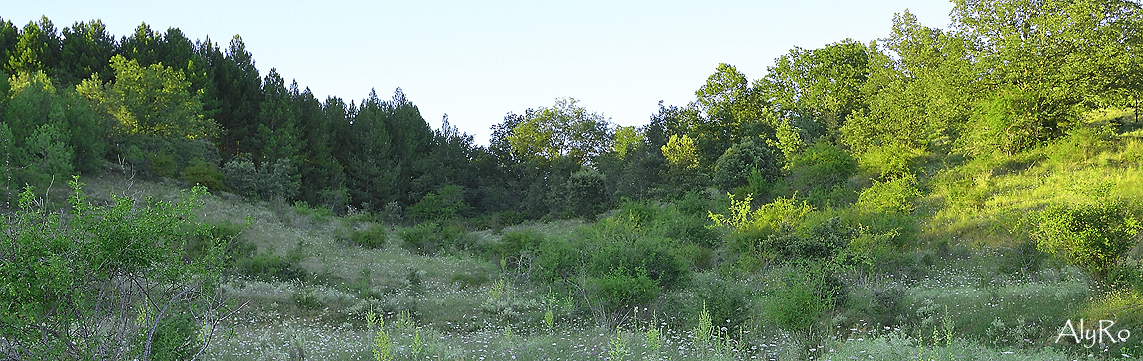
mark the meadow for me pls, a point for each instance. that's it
(951, 276)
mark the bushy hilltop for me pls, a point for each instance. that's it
(934, 194)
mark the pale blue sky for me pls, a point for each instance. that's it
(477, 61)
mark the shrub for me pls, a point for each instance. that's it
(372, 237)
(889, 161)
(515, 243)
(269, 181)
(893, 196)
(557, 259)
(797, 303)
(268, 266)
(821, 166)
(432, 238)
(63, 272)
(1092, 237)
(446, 203)
(765, 219)
(735, 165)
(728, 303)
(174, 337)
(1021, 258)
(162, 165)
(204, 174)
(623, 287)
(587, 193)
(663, 260)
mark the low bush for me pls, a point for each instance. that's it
(372, 237)
(204, 174)
(820, 172)
(1091, 236)
(268, 266)
(892, 196)
(267, 181)
(889, 161)
(798, 301)
(730, 304)
(432, 238)
(445, 203)
(623, 288)
(516, 243)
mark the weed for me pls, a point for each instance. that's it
(382, 342)
(617, 347)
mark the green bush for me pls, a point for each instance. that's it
(893, 196)
(692, 229)
(268, 181)
(821, 166)
(63, 270)
(1092, 236)
(372, 237)
(729, 303)
(623, 287)
(1128, 274)
(446, 203)
(587, 193)
(268, 266)
(515, 243)
(203, 173)
(798, 301)
(162, 165)
(174, 338)
(889, 161)
(734, 167)
(557, 259)
(663, 260)
(1021, 258)
(433, 238)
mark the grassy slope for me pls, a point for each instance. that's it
(448, 299)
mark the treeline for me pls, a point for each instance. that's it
(1006, 77)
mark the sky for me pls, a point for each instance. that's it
(479, 60)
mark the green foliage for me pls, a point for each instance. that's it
(446, 203)
(728, 302)
(203, 173)
(517, 243)
(887, 162)
(740, 160)
(825, 241)
(432, 238)
(62, 273)
(154, 100)
(622, 288)
(681, 152)
(626, 140)
(372, 237)
(1006, 123)
(893, 196)
(162, 165)
(799, 300)
(1090, 236)
(820, 172)
(767, 218)
(268, 265)
(820, 87)
(587, 193)
(565, 130)
(269, 181)
(175, 337)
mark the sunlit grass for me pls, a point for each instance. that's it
(447, 299)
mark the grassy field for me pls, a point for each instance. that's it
(965, 285)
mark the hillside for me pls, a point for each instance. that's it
(972, 192)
